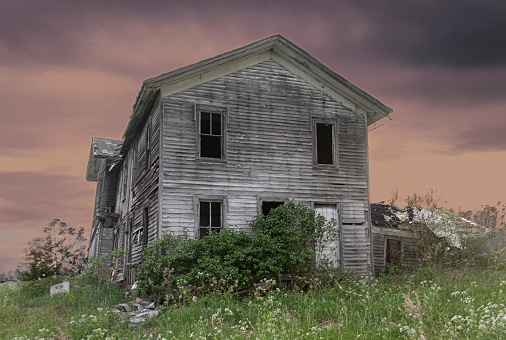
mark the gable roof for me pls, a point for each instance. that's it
(275, 47)
(101, 150)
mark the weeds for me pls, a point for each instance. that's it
(467, 303)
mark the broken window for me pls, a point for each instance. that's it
(393, 251)
(210, 217)
(325, 143)
(267, 206)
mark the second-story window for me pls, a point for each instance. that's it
(325, 143)
(211, 133)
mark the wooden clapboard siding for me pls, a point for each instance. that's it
(269, 153)
(102, 234)
(141, 188)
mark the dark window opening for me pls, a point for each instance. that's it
(267, 206)
(145, 224)
(210, 218)
(393, 251)
(210, 134)
(324, 143)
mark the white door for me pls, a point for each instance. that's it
(330, 249)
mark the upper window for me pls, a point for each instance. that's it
(325, 150)
(211, 133)
(210, 217)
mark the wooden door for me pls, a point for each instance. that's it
(330, 250)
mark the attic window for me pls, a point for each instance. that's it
(211, 133)
(324, 143)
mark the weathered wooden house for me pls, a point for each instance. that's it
(214, 144)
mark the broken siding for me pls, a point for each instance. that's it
(269, 154)
(145, 186)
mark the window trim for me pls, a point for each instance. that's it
(223, 111)
(260, 201)
(209, 198)
(335, 152)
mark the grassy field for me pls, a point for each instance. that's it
(467, 303)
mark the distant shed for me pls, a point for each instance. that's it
(394, 242)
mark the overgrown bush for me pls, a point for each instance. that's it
(298, 236)
(231, 260)
(287, 240)
(61, 251)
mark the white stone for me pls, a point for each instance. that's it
(63, 287)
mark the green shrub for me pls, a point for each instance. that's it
(225, 261)
(297, 237)
(285, 241)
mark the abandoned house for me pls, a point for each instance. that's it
(214, 144)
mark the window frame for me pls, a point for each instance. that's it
(335, 152)
(401, 252)
(201, 200)
(261, 201)
(223, 111)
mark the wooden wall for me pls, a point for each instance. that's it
(101, 240)
(139, 193)
(269, 154)
(409, 246)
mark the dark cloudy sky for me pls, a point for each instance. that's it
(70, 70)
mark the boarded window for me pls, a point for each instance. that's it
(324, 143)
(211, 134)
(393, 251)
(267, 206)
(210, 217)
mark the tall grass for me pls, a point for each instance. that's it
(465, 303)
